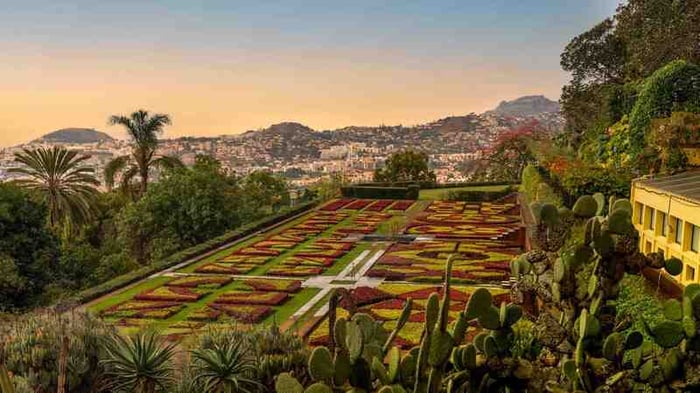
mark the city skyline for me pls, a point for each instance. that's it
(224, 68)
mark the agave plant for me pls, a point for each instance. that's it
(225, 366)
(138, 364)
(143, 129)
(63, 179)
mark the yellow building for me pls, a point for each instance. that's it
(667, 217)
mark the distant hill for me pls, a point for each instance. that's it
(526, 106)
(74, 135)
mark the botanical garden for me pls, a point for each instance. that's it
(157, 277)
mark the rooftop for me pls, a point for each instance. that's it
(684, 184)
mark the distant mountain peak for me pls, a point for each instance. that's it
(74, 135)
(526, 106)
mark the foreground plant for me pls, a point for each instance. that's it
(138, 364)
(226, 366)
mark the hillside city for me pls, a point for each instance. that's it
(303, 155)
(544, 245)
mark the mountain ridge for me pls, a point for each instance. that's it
(74, 135)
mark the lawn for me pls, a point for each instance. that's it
(441, 193)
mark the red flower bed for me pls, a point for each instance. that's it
(295, 271)
(207, 314)
(379, 205)
(335, 205)
(172, 294)
(224, 268)
(244, 313)
(367, 295)
(308, 261)
(359, 204)
(288, 286)
(401, 205)
(253, 297)
(195, 282)
(258, 251)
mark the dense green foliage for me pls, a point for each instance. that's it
(28, 249)
(407, 165)
(639, 64)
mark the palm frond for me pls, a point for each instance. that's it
(113, 168)
(61, 176)
(168, 163)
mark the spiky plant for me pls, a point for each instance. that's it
(225, 366)
(143, 129)
(138, 364)
(64, 181)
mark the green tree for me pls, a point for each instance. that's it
(143, 129)
(263, 191)
(186, 208)
(405, 166)
(138, 364)
(225, 366)
(63, 180)
(28, 249)
(329, 188)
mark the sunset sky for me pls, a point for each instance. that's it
(223, 67)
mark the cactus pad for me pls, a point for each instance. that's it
(585, 207)
(321, 364)
(479, 302)
(674, 266)
(668, 334)
(285, 383)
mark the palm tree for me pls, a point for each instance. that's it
(225, 366)
(138, 364)
(62, 178)
(143, 129)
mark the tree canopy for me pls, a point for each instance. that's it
(405, 166)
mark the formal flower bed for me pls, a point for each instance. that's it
(276, 244)
(379, 205)
(171, 294)
(245, 259)
(252, 297)
(143, 309)
(336, 204)
(244, 313)
(319, 252)
(359, 204)
(386, 302)
(199, 282)
(401, 205)
(466, 231)
(289, 286)
(294, 271)
(474, 261)
(297, 260)
(224, 268)
(268, 252)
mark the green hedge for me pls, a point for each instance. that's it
(478, 196)
(378, 192)
(192, 252)
(673, 87)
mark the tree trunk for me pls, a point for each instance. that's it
(63, 365)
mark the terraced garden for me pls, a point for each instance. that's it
(285, 275)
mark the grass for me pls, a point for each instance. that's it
(441, 193)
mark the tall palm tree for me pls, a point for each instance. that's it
(60, 175)
(143, 129)
(226, 366)
(138, 364)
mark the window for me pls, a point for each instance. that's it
(661, 251)
(647, 247)
(639, 208)
(664, 223)
(678, 227)
(652, 218)
(689, 273)
(695, 238)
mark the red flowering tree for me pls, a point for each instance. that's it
(513, 150)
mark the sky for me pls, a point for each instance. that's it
(227, 66)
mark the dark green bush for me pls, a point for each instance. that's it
(378, 192)
(478, 196)
(674, 87)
